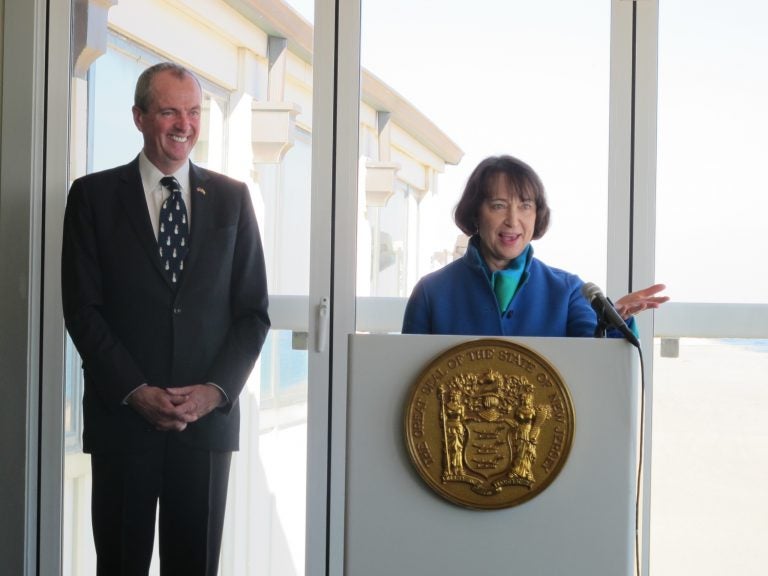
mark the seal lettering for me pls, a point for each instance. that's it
(417, 422)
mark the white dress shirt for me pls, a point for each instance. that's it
(155, 193)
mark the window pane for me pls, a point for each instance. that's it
(712, 121)
(707, 499)
(709, 453)
(256, 127)
(528, 79)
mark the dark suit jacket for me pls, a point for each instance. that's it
(131, 327)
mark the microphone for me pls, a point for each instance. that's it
(606, 312)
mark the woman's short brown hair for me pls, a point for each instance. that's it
(522, 180)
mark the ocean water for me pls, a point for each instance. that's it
(755, 344)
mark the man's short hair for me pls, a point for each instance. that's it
(142, 97)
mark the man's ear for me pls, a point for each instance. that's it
(137, 117)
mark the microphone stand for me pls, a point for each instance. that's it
(601, 327)
(602, 322)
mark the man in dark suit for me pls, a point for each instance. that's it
(167, 341)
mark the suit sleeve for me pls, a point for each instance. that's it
(249, 307)
(113, 370)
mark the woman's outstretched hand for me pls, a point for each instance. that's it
(645, 299)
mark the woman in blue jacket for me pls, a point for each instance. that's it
(498, 288)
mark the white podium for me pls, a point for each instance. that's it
(583, 524)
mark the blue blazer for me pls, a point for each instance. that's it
(458, 299)
(131, 327)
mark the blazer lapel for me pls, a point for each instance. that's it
(131, 193)
(201, 215)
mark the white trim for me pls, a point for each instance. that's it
(319, 285)
(344, 264)
(673, 320)
(644, 214)
(54, 335)
(692, 320)
(619, 156)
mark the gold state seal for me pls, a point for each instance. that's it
(489, 424)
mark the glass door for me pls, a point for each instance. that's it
(258, 124)
(710, 446)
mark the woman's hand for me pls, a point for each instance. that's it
(635, 302)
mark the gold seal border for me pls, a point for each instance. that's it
(442, 357)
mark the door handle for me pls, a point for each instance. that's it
(321, 329)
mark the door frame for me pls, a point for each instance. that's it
(335, 142)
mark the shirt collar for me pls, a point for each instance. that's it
(150, 175)
(474, 255)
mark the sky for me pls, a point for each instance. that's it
(531, 79)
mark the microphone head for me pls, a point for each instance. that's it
(590, 291)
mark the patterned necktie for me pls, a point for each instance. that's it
(173, 238)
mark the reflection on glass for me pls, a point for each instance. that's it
(526, 79)
(265, 522)
(73, 392)
(256, 126)
(708, 504)
(286, 192)
(283, 366)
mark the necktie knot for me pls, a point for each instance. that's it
(171, 183)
